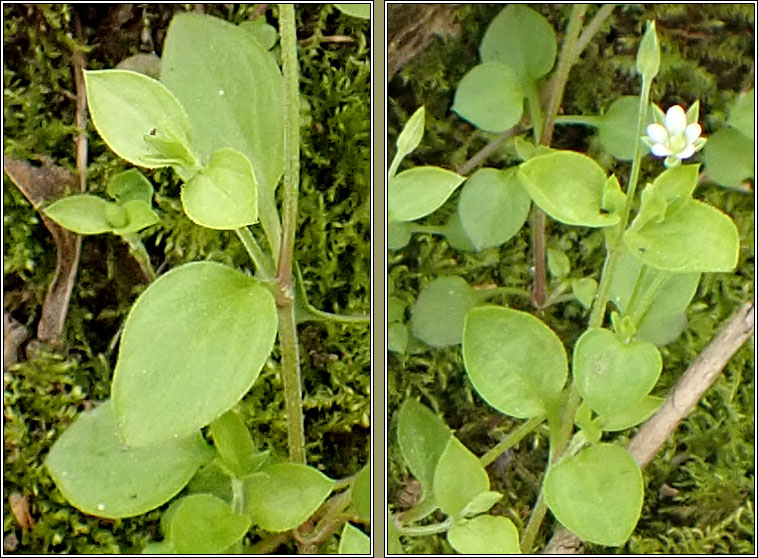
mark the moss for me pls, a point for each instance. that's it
(707, 54)
(44, 395)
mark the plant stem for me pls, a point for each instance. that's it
(285, 299)
(262, 261)
(426, 529)
(533, 527)
(511, 440)
(642, 298)
(615, 248)
(140, 255)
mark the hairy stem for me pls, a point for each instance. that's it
(285, 298)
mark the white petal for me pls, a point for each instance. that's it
(660, 150)
(692, 132)
(657, 133)
(687, 152)
(676, 120)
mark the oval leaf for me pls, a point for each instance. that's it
(130, 185)
(490, 96)
(486, 534)
(138, 216)
(493, 207)
(728, 157)
(354, 541)
(361, 493)
(422, 437)
(617, 128)
(742, 114)
(630, 416)
(569, 187)
(597, 494)
(283, 496)
(697, 238)
(223, 195)
(233, 443)
(81, 213)
(612, 375)
(362, 11)
(193, 344)
(412, 133)
(126, 107)
(438, 315)
(99, 476)
(458, 479)
(515, 362)
(522, 39)
(417, 192)
(204, 524)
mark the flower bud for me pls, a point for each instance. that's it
(649, 54)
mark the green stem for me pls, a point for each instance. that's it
(285, 298)
(427, 229)
(615, 249)
(140, 255)
(426, 529)
(510, 440)
(535, 111)
(263, 263)
(533, 526)
(588, 120)
(642, 298)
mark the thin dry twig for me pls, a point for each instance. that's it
(680, 402)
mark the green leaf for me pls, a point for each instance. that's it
(361, 493)
(233, 443)
(398, 235)
(584, 290)
(614, 200)
(422, 437)
(395, 309)
(213, 478)
(617, 128)
(612, 375)
(411, 134)
(493, 207)
(81, 213)
(101, 477)
(264, 33)
(138, 216)
(458, 479)
(438, 315)
(676, 186)
(354, 541)
(728, 157)
(515, 362)
(397, 337)
(569, 187)
(486, 534)
(192, 345)
(596, 494)
(130, 185)
(630, 416)
(742, 114)
(522, 39)
(455, 236)
(393, 536)
(224, 194)
(238, 103)
(490, 96)
(283, 496)
(417, 192)
(697, 238)
(126, 107)
(362, 11)
(481, 503)
(558, 263)
(204, 524)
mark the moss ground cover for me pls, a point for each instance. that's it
(44, 394)
(700, 489)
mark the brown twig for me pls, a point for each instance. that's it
(679, 403)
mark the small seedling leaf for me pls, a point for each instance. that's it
(81, 213)
(204, 524)
(490, 96)
(354, 541)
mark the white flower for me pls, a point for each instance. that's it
(675, 135)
